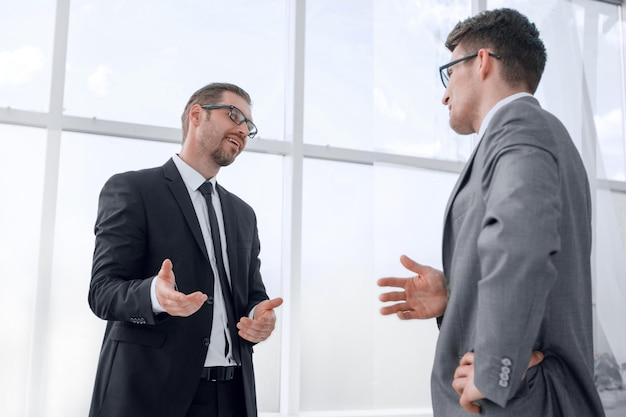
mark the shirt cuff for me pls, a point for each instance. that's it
(157, 308)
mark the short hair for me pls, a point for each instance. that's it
(210, 94)
(512, 36)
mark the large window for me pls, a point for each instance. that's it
(139, 61)
(352, 168)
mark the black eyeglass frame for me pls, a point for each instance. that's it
(443, 70)
(252, 129)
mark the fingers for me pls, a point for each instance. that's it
(272, 304)
(394, 309)
(176, 303)
(392, 282)
(535, 358)
(411, 265)
(409, 315)
(167, 272)
(462, 372)
(468, 404)
(467, 359)
(266, 308)
(259, 329)
(393, 296)
(182, 305)
(463, 384)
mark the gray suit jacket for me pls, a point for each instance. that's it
(150, 365)
(516, 256)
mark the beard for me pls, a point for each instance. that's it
(222, 157)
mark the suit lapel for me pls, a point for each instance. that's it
(461, 181)
(181, 195)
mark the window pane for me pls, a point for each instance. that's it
(354, 232)
(371, 76)
(338, 287)
(339, 73)
(408, 220)
(26, 38)
(605, 79)
(137, 62)
(593, 112)
(409, 42)
(21, 182)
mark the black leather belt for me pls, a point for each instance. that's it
(218, 373)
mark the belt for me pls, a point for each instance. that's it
(218, 373)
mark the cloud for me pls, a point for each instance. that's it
(21, 65)
(98, 81)
(394, 111)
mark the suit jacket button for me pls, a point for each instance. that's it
(506, 361)
(209, 299)
(205, 341)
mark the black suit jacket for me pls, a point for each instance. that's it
(150, 364)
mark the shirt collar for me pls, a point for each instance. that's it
(192, 178)
(498, 106)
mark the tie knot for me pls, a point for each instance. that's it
(206, 188)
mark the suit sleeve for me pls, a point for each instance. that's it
(118, 290)
(518, 239)
(257, 291)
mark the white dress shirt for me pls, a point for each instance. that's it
(498, 106)
(193, 179)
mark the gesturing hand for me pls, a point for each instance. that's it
(260, 328)
(174, 302)
(425, 295)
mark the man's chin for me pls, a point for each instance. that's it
(224, 159)
(460, 129)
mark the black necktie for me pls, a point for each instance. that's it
(207, 189)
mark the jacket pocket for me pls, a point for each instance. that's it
(138, 334)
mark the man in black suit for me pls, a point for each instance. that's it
(182, 317)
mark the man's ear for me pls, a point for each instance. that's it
(195, 115)
(486, 63)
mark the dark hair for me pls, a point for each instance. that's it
(210, 94)
(512, 36)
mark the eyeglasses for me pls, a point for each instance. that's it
(235, 115)
(443, 70)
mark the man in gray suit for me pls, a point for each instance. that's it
(513, 301)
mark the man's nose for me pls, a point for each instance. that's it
(446, 98)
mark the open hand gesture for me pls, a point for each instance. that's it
(424, 295)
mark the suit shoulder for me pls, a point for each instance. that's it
(136, 177)
(524, 122)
